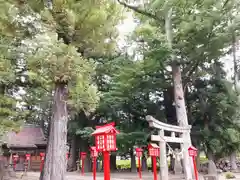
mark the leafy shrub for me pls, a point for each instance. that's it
(229, 175)
(126, 164)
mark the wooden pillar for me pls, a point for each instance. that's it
(163, 158)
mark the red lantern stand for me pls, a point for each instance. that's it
(15, 159)
(139, 153)
(94, 155)
(83, 156)
(154, 152)
(105, 141)
(28, 156)
(192, 151)
(42, 155)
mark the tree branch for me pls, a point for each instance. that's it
(139, 10)
(225, 3)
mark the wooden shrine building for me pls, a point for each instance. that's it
(30, 140)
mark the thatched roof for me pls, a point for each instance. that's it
(30, 136)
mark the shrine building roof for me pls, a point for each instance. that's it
(30, 136)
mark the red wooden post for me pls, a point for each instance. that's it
(105, 141)
(83, 156)
(82, 167)
(154, 158)
(15, 158)
(94, 168)
(192, 151)
(94, 155)
(195, 168)
(139, 152)
(42, 155)
(154, 152)
(106, 159)
(139, 168)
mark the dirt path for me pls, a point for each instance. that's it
(114, 176)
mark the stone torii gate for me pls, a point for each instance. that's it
(183, 139)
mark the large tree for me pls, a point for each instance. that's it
(60, 64)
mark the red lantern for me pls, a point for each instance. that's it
(105, 137)
(15, 159)
(28, 157)
(153, 150)
(192, 151)
(105, 141)
(83, 155)
(42, 156)
(42, 161)
(94, 152)
(67, 155)
(139, 152)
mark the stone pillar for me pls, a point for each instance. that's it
(10, 158)
(163, 158)
(187, 163)
(78, 165)
(29, 163)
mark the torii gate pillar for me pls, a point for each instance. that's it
(183, 139)
(163, 158)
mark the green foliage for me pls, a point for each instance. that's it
(10, 115)
(229, 175)
(75, 43)
(215, 110)
(84, 96)
(85, 132)
(201, 31)
(90, 26)
(58, 61)
(126, 164)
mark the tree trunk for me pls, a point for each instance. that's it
(210, 156)
(113, 162)
(46, 173)
(182, 117)
(84, 147)
(42, 121)
(233, 159)
(179, 96)
(88, 163)
(235, 65)
(56, 156)
(73, 154)
(152, 164)
(198, 162)
(133, 162)
(170, 111)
